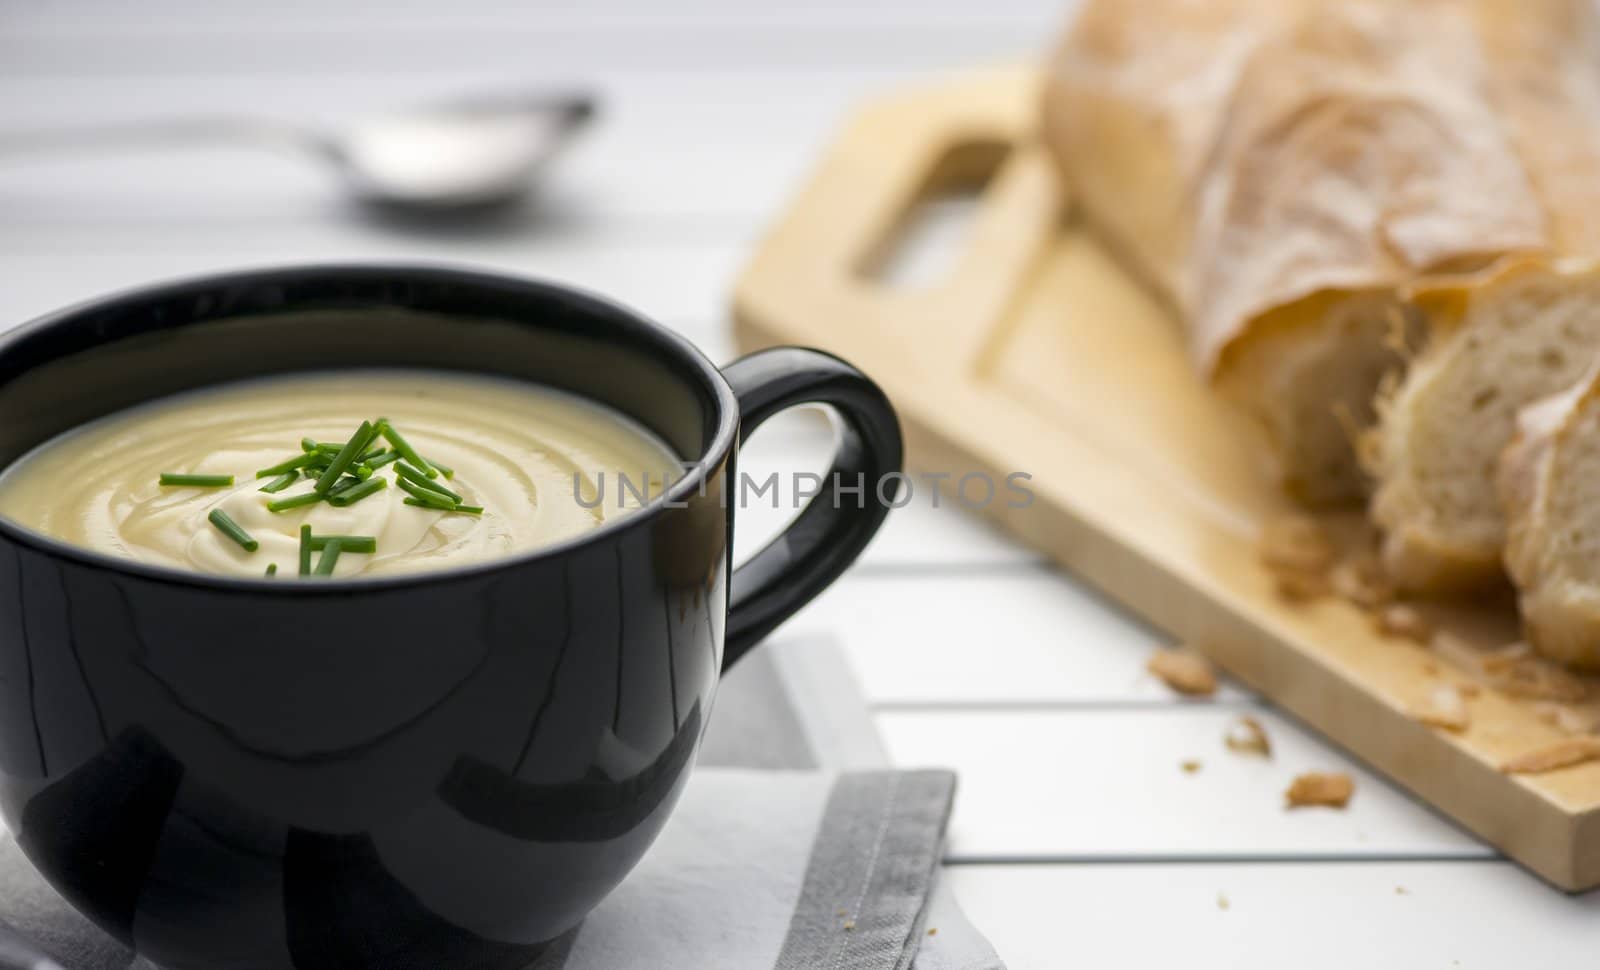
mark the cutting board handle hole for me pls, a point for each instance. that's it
(934, 226)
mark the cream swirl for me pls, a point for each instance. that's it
(518, 450)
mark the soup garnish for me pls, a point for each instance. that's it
(225, 525)
(345, 474)
(177, 479)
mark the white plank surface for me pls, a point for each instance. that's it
(1462, 915)
(699, 149)
(1023, 635)
(166, 15)
(661, 42)
(671, 280)
(1107, 784)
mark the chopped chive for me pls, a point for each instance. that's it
(357, 492)
(196, 481)
(444, 469)
(344, 485)
(288, 465)
(305, 549)
(440, 507)
(362, 472)
(375, 452)
(404, 447)
(379, 459)
(406, 471)
(294, 502)
(362, 544)
(231, 529)
(356, 445)
(430, 498)
(308, 445)
(330, 557)
(280, 483)
(272, 569)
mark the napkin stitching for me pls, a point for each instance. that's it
(872, 861)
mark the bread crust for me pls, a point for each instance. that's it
(1560, 612)
(1252, 156)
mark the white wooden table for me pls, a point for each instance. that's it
(1078, 840)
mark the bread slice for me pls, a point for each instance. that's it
(1280, 169)
(1309, 376)
(1549, 488)
(1497, 344)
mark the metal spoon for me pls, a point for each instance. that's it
(464, 155)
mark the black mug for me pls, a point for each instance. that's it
(421, 771)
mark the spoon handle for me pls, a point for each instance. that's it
(200, 130)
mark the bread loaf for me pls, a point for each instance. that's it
(1549, 484)
(1281, 170)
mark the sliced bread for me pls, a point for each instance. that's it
(1549, 487)
(1496, 345)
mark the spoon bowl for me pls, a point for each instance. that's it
(468, 157)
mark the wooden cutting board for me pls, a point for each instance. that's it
(1038, 353)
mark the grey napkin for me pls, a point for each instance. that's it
(793, 848)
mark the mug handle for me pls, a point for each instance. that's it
(831, 531)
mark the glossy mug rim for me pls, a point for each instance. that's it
(694, 478)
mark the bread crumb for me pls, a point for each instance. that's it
(1222, 901)
(1294, 586)
(1513, 669)
(1505, 656)
(1400, 620)
(1397, 332)
(1361, 581)
(1458, 652)
(1401, 891)
(1516, 670)
(1246, 736)
(1296, 543)
(933, 931)
(1299, 553)
(1328, 789)
(1560, 754)
(1190, 765)
(849, 924)
(1443, 707)
(1184, 671)
(1564, 718)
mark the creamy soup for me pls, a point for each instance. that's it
(504, 467)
